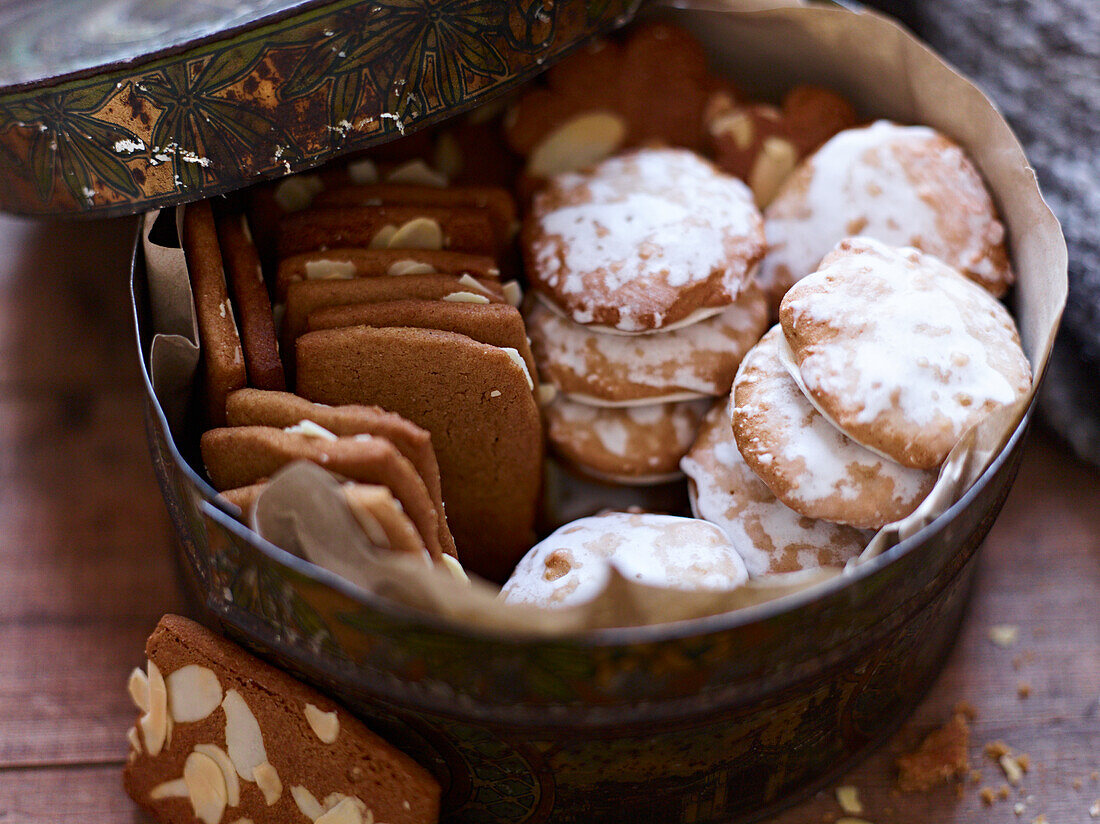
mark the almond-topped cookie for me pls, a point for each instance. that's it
(809, 464)
(903, 185)
(643, 241)
(770, 536)
(625, 370)
(901, 351)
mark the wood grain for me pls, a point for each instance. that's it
(86, 570)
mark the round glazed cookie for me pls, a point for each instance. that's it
(614, 370)
(770, 536)
(573, 564)
(808, 463)
(902, 352)
(903, 185)
(642, 240)
(635, 445)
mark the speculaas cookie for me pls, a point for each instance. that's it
(642, 240)
(810, 465)
(605, 369)
(224, 737)
(251, 302)
(901, 351)
(770, 536)
(637, 445)
(573, 564)
(243, 455)
(902, 185)
(251, 407)
(222, 355)
(478, 404)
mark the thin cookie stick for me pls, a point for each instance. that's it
(246, 279)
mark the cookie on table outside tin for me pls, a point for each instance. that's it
(642, 241)
(497, 324)
(252, 407)
(225, 737)
(610, 370)
(222, 356)
(809, 464)
(636, 445)
(902, 352)
(573, 564)
(251, 302)
(244, 455)
(475, 399)
(377, 512)
(348, 263)
(903, 185)
(770, 536)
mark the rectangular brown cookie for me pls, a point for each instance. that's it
(222, 356)
(477, 403)
(252, 407)
(462, 229)
(352, 263)
(496, 200)
(309, 295)
(243, 455)
(225, 737)
(497, 324)
(252, 303)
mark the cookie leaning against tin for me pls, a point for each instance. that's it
(252, 407)
(810, 465)
(642, 241)
(225, 737)
(621, 370)
(903, 185)
(769, 535)
(477, 402)
(902, 352)
(243, 455)
(222, 356)
(252, 303)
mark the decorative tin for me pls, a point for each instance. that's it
(144, 105)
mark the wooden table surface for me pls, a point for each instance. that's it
(86, 570)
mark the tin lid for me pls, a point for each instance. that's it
(111, 107)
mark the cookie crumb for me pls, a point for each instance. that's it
(1040, 819)
(996, 749)
(1094, 776)
(848, 799)
(940, 757)
(1077, 784)
(1004, 635)
(1024, 760)
(1019, 808)
(1012, 769)
(1003, 792)
(1094, 810)
(975, 776)
(1023, 689)
(987, 796)
(966, 709)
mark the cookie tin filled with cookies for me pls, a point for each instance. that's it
(616, 439)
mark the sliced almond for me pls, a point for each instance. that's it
(418, 173)
(581, 141)
(267, 779)
(410, 267)
(465, 297)
(243, 738)
(474, 284)
(848, 799)
(311, 430)
(334, 799)
(772, 166)
(308, 804)
(193, 693)
(363, 171)
(138, 687)
(418, 233)
(169, 789)
(296, 192)
(346, 812)
(737, 125)
(154, 724)
(134, 739)
(513, 292)
(517, 358)
(546, 394)
(229, 772)
(205, 787)
(453, 566)
(330, 269)
(382, 237)
(324, 724)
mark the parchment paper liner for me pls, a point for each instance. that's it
(894, 76)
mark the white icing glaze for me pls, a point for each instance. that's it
(858, 184)
(573, 564)
(769, 536)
